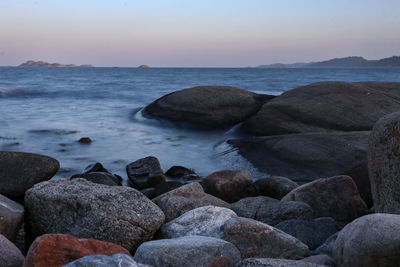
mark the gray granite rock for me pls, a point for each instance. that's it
(327, 247)
(116, 260)
(83, 209)
(188, 251)
(11, 217)
(267, 262)
(10, 255)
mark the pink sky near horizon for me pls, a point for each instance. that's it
(235, 33)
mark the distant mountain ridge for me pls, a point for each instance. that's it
(32, 63)
(345, 62)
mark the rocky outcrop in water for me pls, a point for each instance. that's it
(32, 63)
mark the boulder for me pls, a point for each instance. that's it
(226, 184)
(207, 106)
(383, 164)
(174, 205)
(178, 172)
(360, 176)
(304, 157)
(312, 233)
(85, 140)
(144, 173)
(266, 262)
(187, 188)
(19, 171)
(116, 260)
(325, 106)
(274, 186)
(259, 240)
(11, 217)
(188, 251)
(369, 241)
(60, 249)
(327, 247)
(149, 192)
(335, 197)
(95, 167)
(10, 255)
(323, 260)
(99, 178)
(203, 221)
(272, 212)
(165, 187)
(116, 214)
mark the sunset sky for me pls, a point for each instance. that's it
(202, 33)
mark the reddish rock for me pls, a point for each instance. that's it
(227, 184)
(335, 197)
(85, 140)
(10, 255)
(11, 217)
(59, 249)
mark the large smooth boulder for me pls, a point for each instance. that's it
(326, 106)
(10, 255)
(11, 217)
(383, 164)
(19, 171)
(144, 173)
(226, 184)
(256, 239)
(188, 251)
(369, 241)
(272, 212)
(207, 106)
(116, 260)
(268, 262)
(304, 157)
(60, 249)
(204, 221)
(116, 214)
(335, 197)
(312, 233)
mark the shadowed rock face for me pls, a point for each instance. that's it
(307, 156)
(19, 171)
(326, 106)
(207, 106)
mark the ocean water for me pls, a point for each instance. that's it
(46, 110)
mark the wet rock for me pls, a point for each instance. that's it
(226, 184)
(274, 186)
(11, 217)
(304, 157)
(322, 260)
(372, 240)
(187, 188)
(95, 167)
(144, 173)
(312, 233)
(10, 256)
(360, 176)
(178, 172)
(204, 106)
(174, 205)
(99, 178)
(272, 212)
(85, 140)
(19, 171)
(188, 251)
(116, 214)
(335, 197)
(266, 262)
(259, 240)
(60, 249)
(203, 221)
(327, 247)
(116, 260)
(165, 187)
(326, 106)
(383, 163)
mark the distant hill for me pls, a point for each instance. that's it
(31, 63)
(346, 62)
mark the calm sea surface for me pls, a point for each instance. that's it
(46, 110)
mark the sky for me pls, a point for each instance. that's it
(196, 33)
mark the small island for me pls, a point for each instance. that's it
(144, 66)
(32, 63)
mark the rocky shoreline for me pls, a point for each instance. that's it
(332, 150)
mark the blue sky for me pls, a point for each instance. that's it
(174, 33)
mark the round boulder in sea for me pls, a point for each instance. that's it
(19, 171)
(207, 106)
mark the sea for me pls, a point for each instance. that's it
(47, 110)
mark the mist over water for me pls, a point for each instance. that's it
(46, 110)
